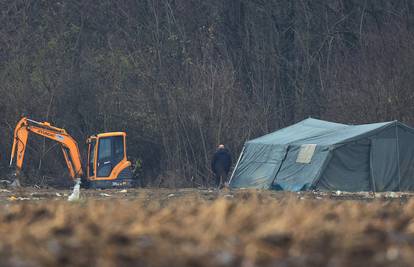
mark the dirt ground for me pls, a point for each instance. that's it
(189, 227)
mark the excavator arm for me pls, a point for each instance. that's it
(68, 145)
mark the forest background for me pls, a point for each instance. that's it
(181, 76)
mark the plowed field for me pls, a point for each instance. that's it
(190, 227)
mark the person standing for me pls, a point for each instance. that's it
(220, 165)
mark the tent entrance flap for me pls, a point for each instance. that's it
(301, 167)
(258, 166)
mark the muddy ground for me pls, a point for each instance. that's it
(190, 227)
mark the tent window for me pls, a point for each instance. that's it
(306, 153)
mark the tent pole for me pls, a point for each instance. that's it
(237, 164)
(398, 156)
(371, 170)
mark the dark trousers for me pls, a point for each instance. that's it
(220, 178)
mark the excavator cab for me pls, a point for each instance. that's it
(107, 164)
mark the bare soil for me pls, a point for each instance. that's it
(190, 227)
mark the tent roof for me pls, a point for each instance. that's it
(313, 131)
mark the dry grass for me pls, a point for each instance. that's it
(200, 228)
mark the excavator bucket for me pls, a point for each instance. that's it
(12, 180)
(15, 181)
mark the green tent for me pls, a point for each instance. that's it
(320, 155)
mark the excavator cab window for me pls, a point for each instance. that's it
(118, 148)
(110, 153)
(91, 154)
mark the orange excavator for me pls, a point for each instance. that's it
(107, 165)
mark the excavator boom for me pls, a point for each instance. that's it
(68, 145)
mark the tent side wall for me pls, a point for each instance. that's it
(348, 169)
(369, 164)
(384, 160)
(406, 157)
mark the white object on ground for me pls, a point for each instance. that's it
(13, 198)
(15, 183)
(392, 195)
(104, 194)
(76, 191)
(338, 193)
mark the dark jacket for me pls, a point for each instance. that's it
(221, 161)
